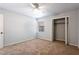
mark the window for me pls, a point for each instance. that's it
(41, 26)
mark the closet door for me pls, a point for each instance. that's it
(60, 30)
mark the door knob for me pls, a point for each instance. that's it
(1, 33)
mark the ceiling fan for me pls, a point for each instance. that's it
(37, 10)
(35, 5)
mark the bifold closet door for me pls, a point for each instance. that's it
(60, 31)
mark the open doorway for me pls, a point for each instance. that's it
(60, 30)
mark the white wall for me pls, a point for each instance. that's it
(17, 27)
(47, 34)
(73, 27)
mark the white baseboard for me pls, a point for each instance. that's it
(45, 39)
(17, 42)
(73, 44)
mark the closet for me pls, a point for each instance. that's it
(59, 29)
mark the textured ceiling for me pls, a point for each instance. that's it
(45, 9)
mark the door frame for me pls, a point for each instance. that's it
(66, 29)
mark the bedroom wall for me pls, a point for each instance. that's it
(17, 27)
(73, 27)
(47, 34)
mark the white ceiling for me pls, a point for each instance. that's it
(45, 9)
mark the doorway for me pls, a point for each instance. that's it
(60, 30)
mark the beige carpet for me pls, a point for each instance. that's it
(40, 47)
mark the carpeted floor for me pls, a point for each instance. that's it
(40, 47)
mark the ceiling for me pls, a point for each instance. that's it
(45, 9)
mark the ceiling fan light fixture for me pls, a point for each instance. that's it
(35, 5)
(36, 10)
